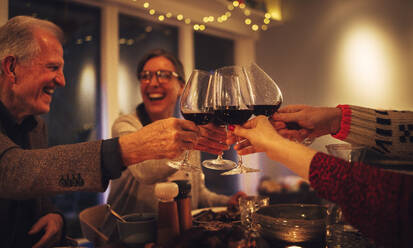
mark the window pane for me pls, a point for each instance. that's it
(136, 37)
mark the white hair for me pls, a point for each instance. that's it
(17, 39)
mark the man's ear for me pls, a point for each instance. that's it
(8, 65)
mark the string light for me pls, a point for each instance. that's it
(161, 15)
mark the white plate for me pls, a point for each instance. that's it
(214, 209)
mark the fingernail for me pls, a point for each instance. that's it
(231, 127)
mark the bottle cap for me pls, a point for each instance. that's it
(166, 191)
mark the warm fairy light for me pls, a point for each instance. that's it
(122, 41)
(273, 6)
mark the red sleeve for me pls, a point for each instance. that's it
(370, 198)
(345, 122)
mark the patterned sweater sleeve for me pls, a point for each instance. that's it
(386, 131)
(370, 198)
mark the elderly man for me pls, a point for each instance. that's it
(31, 57)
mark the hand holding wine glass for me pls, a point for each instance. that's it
(195, 107)
(233, 103)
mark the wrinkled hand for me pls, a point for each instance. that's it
(166, 138)
(52, 225)
(258, 131)
(233, 203)
(212, 139)
(312, 122)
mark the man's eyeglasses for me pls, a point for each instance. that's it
(161, 76)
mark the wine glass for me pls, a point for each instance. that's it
(266, 96)
(218, 163)
(195, 106)
(233, 103)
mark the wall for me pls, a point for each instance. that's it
(332, 51)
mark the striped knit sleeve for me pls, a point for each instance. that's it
(388, 132)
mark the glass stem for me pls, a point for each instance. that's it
(186, 157)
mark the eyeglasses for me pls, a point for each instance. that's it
(161, 76)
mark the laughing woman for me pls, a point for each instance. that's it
(161, 77)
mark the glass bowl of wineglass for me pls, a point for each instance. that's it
(196, 106)
(233, 103)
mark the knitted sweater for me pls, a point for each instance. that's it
(375, 201)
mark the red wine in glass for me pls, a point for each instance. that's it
(232, 115)
(199, 118)
(267, 110)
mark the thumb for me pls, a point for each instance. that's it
(241, 132)
(37, 227)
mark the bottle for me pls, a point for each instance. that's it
(183, 200)
(168, 220)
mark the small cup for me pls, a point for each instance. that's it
(138, 230)
(248, 206)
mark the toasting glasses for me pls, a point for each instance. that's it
(196, 106)
(233, 104)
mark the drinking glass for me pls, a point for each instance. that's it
(233, 103)
(339, 232)
(248, 206)
(218, 163)
(195, 105)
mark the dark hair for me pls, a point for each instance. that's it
(163, 53)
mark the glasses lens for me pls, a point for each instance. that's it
(164, 76)
(145, 76)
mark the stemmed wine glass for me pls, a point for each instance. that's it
(218, 163)
(233, 103)
(195, 105)
(266, 95)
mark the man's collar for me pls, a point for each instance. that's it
(8, 120)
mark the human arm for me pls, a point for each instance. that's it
(371, 199)
(386, 131)
(366, 194)
(312, 122)
(262, 137)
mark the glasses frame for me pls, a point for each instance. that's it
(157, 74)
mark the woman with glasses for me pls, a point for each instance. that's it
(161, 77)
